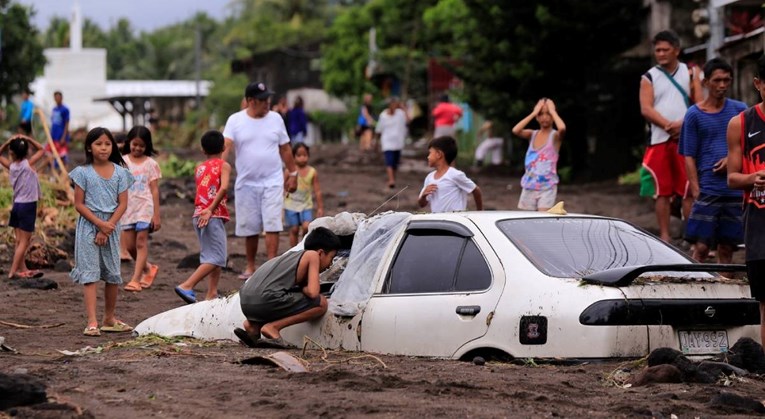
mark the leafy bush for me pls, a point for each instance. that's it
(173, 167)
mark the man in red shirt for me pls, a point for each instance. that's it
(445, 116)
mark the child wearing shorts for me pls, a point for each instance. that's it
(210, 214)
(540, 182)
(298, 205)
(26, 193)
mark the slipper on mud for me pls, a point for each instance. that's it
(27, 275)
(245, 337)
(91, 331)
(133, 287)
(244, 276)
(118, 327)
(190, 297)
(277, 343)
(148, 279)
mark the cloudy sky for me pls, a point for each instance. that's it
(144, 15)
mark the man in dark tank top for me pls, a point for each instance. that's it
(746, 170)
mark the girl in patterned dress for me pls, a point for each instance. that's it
(100, 197)
(142, 214)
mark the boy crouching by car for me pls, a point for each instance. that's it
(285, 291)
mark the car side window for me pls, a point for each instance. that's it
(474, 274)
(437, 261)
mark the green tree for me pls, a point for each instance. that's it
(21, 58)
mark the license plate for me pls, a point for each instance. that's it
(702, 342)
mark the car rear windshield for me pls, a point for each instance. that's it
(573, 247)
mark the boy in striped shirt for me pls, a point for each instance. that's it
(716, 218)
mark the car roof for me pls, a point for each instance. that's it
(493, 216)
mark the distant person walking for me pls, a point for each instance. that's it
(391, 126)
(26, 113)
(540, 182)
(489, 145)
(715, 219)
(666, 92)
(59, 127)
(365, 124)
(445, 117)
(297, 122)
(746, 170)
(261, 143)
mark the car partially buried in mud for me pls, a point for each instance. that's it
(518, 284)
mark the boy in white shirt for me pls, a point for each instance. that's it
(446, 188)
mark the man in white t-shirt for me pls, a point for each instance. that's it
(261, 143)
(446, 188)
(392, 129)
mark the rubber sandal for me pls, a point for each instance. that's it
(133, 287)
(91, 331)
(277, 343)
(245, 276)
(118, 327)
(148, 279)
(34, 273)
(246, 338)
(190, 297)
(28, 275)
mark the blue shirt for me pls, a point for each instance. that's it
(27, 107)
(297, 122)
(101, 195)
(704, 137)
(58, 120)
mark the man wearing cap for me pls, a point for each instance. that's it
(261, 143)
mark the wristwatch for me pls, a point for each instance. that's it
(293, 174)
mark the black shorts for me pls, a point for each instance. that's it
(292, 303)
(23, 216)
(755, 271)
(26, 127)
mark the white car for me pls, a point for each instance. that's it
(518, 284)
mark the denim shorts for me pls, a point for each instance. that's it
(139, 226)
(296, 218)
(23, 216)
(716, 220)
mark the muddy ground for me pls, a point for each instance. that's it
(140, 378)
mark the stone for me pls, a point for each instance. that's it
(664, 373)
(189, 262)
(62, 265)
(20, 390)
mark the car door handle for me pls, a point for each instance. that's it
(468, 310)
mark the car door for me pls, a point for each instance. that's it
(439, 292)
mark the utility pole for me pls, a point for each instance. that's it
(198, 62)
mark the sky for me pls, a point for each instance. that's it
(144, 15)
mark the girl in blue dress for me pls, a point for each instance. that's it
(100, 197)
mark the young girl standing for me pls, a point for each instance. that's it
(298, 205)
(142, 214)
(26, 193)
(540, 182)
(100, 197)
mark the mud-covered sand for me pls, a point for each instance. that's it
(142, 378)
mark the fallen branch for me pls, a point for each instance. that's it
(26, 326)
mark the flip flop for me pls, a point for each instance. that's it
(277, 343)
(133, 287)
(148, 279)
(118, 327)
(245, 276)
(245, 338)
(27, 275)
(91, 331)
(190, 297)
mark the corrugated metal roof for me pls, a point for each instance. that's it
(156, 88)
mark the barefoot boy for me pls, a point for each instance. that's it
(210, 214)
(285, 290)
(446, 188)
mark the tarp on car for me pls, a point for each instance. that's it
(357, 283)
